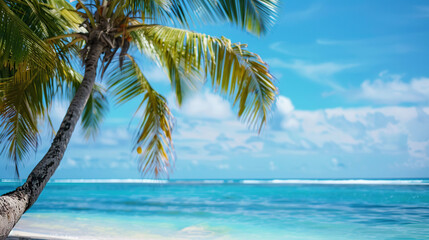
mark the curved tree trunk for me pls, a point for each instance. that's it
(15, 203)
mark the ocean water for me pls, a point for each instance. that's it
(229, 209)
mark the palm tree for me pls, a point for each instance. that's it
(42, 42)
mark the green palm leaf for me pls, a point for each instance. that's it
(156, 122)
(255, 16)
(96, 107)
(40, 39)
(24, 98)
(18, 42)
(234, 71)
(94, 112)
(31, 72)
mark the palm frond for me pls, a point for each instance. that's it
(39, 39)
(235, 72)
(96, 107)
(67, 12)
(156, 122)
(94, 112)
(31, 71)
(175, 59)
(18, 42)
(255, 16)
(24, 99)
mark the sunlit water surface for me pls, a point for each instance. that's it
(222, 209)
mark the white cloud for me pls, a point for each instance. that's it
(207, 130)
(319, 72)
(284, 105)
(106, 137)
(219, 138)
(118, 164)
(109, 141)
(95, 155)
(418, 149)
(317, 128)
(312, 70)
(70, 162)
(202, 140)
(385, 131)
(207, 105)
(156, 74)
(359, 130)
(345, 43)
(58, 111)
(119, 133)
(372, 48)
(291, 123)
(364, 130)
(391, 89)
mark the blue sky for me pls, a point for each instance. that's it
(353, 102)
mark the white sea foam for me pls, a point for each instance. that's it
(255, 181)
(10, 180)
(214, 181)
(88, 229)
(109, 181)
(249, 181)
(339, 182)
(26, 234)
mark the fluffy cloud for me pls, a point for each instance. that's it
(209, 140)
(208, 135)
(383, 131)
(58, 111)
(358, 130)
(206, 105)
(391, 89)
(155, 74)
(284, 105)
(70, 162)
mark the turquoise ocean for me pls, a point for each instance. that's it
(229, 209)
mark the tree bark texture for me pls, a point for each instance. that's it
(15, 203)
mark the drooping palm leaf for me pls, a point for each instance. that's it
(24, 98)
(184, 73)
(156, 122)
(255, 16)
(234, 71)
(30, 73)
(60, 30)
(94, 112)
(96, 107)
(18, 42)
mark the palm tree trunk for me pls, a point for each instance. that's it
(15, 203)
